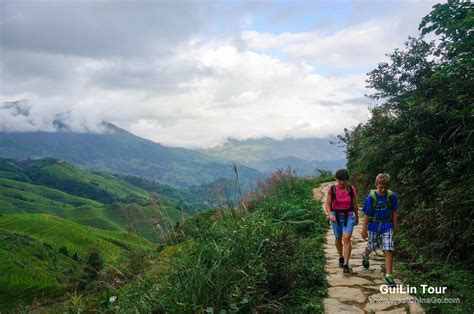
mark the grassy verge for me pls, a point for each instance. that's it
(269, 258)
(416, 270)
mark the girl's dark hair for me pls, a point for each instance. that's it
(342, 174)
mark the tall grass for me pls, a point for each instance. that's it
(269, 259)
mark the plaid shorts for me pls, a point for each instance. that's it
(386, 240)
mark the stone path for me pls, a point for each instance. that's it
(359, 292)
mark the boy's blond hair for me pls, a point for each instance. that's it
(382, 178)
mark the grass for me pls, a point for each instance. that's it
(415, 269)
(267, 259)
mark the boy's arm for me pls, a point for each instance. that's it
(395, 220)
(364, 228)
(395, 213)
(365, 209)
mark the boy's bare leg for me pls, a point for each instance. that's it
(347, 247)
(338, 243)
(367, 251)
(388, 261)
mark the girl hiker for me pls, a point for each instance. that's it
(380, 223)
(342, 209)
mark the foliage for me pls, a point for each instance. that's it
(43, 257)
(62, 234)
(92, 267)
(267, 259)
(32, 270)
(417, 269)
(422, 135)
(133, 209)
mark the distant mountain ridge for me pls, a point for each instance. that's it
(300, 166)
(118, 151)
(267, 154)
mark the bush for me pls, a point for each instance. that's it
(270, 259)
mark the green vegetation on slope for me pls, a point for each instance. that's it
(44, 256)
(75, 238)
(422, 135)
(137, 212)
(269, 258)
(102, 187)
(118, 151)
(32, 269)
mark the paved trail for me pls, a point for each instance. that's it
(353, 293)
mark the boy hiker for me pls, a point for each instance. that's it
(342, 209)
(380, 223)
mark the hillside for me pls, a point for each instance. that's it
(58, 232)
(30, 268)
(44, 255)
(119, 151)
(92, 199)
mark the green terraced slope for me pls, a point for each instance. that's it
(59, 175)
(76, 238)
(22, 190)
(32, 264)
(32, 269)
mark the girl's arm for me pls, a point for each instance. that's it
(328, 208)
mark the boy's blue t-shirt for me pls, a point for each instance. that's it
(380, 212)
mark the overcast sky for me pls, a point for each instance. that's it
(193, 73)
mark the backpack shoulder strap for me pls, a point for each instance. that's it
(374, 199)
(351, 191)
(333, 194)
(351, 194)
(389, 199)
(372, 195)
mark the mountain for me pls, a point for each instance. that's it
(300, 166)
(118, 151)
(267, 155)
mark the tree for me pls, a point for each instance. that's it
(422, 132)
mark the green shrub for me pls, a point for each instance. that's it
(270, 259)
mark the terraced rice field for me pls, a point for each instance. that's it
(76, 238)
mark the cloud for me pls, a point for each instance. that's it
(192, 74)
(359, 45)
(98, 29)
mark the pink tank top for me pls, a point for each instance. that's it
(343, 197)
